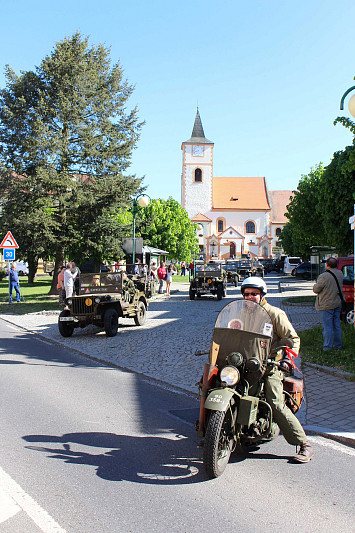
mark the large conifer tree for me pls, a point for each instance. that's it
(66, 140)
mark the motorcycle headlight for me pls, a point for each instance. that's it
(230, 375)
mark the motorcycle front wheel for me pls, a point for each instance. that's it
(218, 443)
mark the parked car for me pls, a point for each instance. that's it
(346, 265)
(290, 263)
(21, 267)
(305, 270)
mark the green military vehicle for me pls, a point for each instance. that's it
(231, 270)
(103, 299)
(245, 268)
(208, 278)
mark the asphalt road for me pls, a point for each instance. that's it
(88, 448)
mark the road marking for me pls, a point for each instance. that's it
(337, 447)
(18, 496)
(8, 508)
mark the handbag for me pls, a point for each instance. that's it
(343, 301)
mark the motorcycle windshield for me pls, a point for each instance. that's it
(245, 327)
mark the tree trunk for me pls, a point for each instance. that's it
(59, 261)
(32, 269)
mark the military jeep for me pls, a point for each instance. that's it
(208, 278)
(231, 270)
(103, 299)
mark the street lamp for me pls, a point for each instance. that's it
(351, 104)
(142, 200)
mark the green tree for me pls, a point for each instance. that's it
(165, 224)
(65, 127)
(33, 231)
(305, 226)
(337, 200)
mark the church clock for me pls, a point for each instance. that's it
(197, 150)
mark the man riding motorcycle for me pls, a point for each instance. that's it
(254, 289)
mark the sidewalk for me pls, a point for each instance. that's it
(330, 399)
(177, 330)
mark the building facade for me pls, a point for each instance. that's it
(235, 216)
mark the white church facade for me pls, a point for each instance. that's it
(236, 216)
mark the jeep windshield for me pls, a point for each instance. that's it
(104, 282)
(230, 266)
(243, 264)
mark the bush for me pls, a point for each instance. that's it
(2, 274)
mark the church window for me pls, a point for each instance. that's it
(198, 175)
(250, 227)
(278, 231)
(220, 225)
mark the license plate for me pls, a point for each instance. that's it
(66, 319)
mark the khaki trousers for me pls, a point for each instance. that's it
(283, 416)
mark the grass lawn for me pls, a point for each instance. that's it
(35, 296)
(312, 343)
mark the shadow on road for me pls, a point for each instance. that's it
(147, 459)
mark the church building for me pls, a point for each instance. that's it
(235, 216)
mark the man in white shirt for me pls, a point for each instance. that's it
(69, 281)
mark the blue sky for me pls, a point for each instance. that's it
(267, 76)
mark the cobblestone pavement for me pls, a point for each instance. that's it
(167, 346)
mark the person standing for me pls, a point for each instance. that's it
(183, 268)
(14, 283)
(328, 303)
(69, 278)
(161, 277)
(169, 279)
(60, 285)
(76, 270)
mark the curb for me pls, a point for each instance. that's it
(332, 371)
(345, 438)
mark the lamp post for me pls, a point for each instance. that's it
(142, 200)
(351, 106)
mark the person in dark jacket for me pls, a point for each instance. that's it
(14, 283)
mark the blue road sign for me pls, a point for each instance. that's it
(9, 254)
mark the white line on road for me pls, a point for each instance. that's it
(39, 516)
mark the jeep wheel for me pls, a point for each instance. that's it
(219, 292)
(111, 322)
(65, 328)
(141, 315)
(192, 294)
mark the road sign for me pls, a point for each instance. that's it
(9, 241)
(9, 254)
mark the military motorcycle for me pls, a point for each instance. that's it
(234, 414)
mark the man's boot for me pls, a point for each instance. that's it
(304, 454)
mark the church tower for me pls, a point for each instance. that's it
(197, 171)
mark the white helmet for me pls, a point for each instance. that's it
(254, 282)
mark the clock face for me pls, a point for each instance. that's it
(197, 150)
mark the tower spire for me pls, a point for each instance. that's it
(198, 135)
